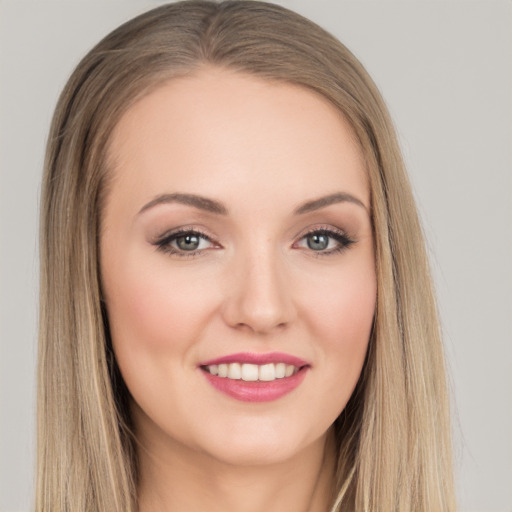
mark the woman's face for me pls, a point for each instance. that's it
(237, 266)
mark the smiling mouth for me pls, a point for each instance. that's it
(253, 377)
(251, 372)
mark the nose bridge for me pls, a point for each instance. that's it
(260, 295)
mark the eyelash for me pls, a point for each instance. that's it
(344, 241)
(164, 243)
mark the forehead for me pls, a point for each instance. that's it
(225, 134)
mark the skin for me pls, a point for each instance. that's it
(261, 150)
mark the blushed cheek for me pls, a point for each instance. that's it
(345, 314)
(148, 311)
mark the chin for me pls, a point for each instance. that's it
(262, 445)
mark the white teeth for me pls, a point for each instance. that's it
(223, 370)
(289, 370)
(267, 372)
(252, 372)
(280, 370)
(234, 371)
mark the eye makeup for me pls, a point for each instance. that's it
(188, 242)
(325, 241)
(185, 242)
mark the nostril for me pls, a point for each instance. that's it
(259, 301)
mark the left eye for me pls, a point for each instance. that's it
(325, 241)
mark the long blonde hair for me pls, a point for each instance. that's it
(393, 438)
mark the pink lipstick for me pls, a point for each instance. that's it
(252, 377)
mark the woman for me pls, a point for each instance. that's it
(236, 306)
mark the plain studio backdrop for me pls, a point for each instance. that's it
(445, 70)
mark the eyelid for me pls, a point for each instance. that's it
(181, 230)
(163, 242)
(341, 236)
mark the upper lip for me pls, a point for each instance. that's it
(259, 359)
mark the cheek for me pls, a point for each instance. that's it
(342, 304)
(156, 318)
(151, 310)
(342, 318)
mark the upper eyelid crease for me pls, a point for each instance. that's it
(326, 229)
(331, 233)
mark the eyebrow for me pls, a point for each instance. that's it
(212, 206)
(199, 202)
(322, 202)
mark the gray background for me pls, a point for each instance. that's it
(445, 70)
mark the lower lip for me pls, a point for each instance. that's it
(256, 391)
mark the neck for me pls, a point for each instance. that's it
(180, 480)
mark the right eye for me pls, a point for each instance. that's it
(184, 243)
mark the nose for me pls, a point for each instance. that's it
(259, 296)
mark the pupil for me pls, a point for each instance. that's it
(318, 242)
(188, 242)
